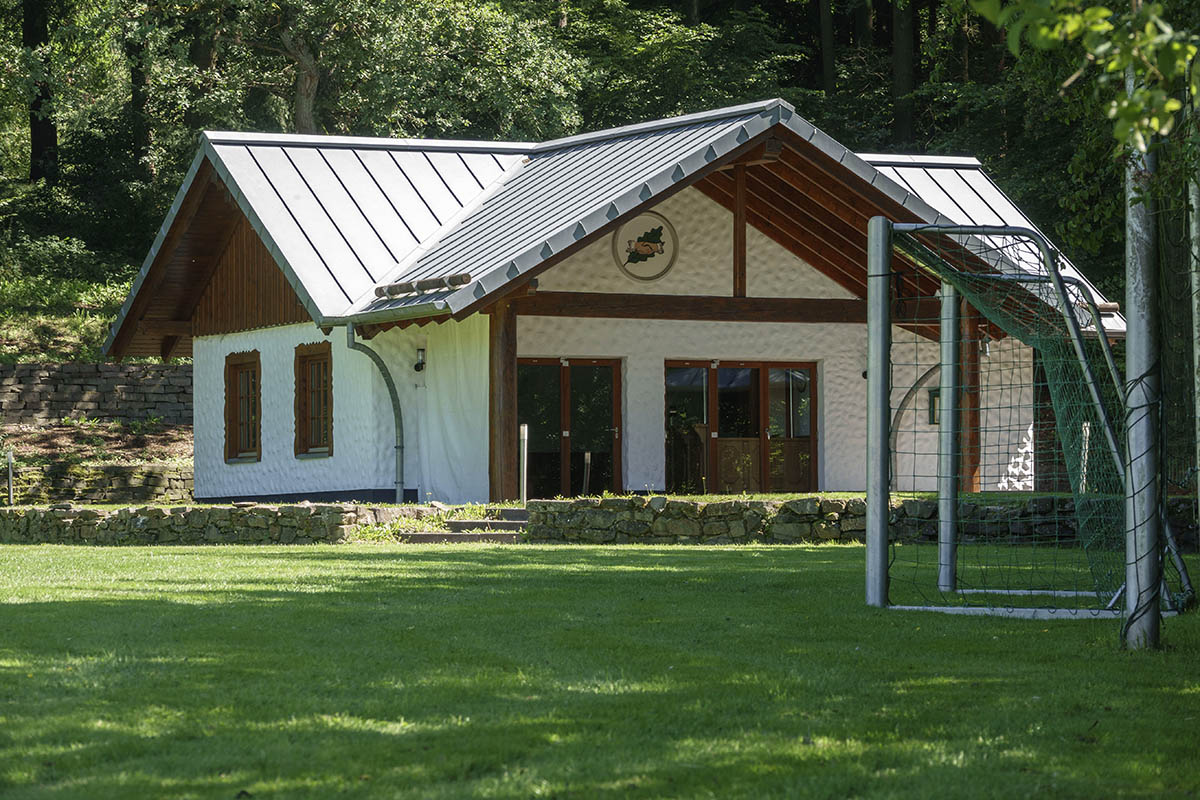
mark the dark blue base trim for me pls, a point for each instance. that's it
(346, 496)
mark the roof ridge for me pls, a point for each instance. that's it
(906, 160)
(663, 124)
(363, 142)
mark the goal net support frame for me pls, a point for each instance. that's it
(1147, 537)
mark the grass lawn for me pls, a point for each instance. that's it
(453, 671)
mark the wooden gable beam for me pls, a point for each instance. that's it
(791, 236)
(739, 231)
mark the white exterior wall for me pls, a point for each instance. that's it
(445, 406)
(444, 409)
(1006, 413)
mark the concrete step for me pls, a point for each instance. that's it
(443, 537)
(510, 514)
(460, 525)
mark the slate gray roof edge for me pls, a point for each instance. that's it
(661, 124)
(367, 142)
(901, 160)
(414, 311)
(148, 261)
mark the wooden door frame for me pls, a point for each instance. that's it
(564, 399)
(714, 429)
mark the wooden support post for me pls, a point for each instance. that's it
(502, 402)
(739, 231)
(972, 343)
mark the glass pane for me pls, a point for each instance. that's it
(737, 402)
(790, 446)
(687, 430)
(538, 406)
(592, 442)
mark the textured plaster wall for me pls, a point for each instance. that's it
(444, 409)
(1006, 410)
(705, 263)
(643, 346)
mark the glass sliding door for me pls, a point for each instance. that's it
(594, 427)
(573, 409)
(789, 429)
(539, 405)
(687, 429)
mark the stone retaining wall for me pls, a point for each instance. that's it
(249, 524)
(659, 520)
(109, 483)
(40, 393)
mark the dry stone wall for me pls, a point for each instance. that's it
(659, 520)
(108, 483)
(41, 393)
(303, 523)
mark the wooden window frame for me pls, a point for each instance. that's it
(235, 363)
(305, 355)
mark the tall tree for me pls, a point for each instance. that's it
(43, 132)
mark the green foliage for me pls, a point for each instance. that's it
(1139, 41)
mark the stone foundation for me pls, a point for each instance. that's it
(251, 524)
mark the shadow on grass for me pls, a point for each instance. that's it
(553, 672)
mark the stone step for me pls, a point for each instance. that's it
(505, 513)
(444, 537)
(460, 525)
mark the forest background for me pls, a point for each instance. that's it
(101, 102)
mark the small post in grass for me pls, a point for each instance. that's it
(524, 437)
(948, 425)
(10, 476)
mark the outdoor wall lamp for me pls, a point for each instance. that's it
(420, 365)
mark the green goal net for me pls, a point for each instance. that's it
(1005, 447)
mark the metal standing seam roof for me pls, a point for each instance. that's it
(343, 215)
(959, 189)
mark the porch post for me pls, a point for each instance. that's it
(972, 342)
(502, 402)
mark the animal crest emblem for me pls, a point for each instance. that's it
(645, 247)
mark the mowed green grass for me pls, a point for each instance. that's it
(568, 672)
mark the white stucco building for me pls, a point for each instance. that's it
(672, 306)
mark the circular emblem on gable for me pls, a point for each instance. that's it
(645, 247)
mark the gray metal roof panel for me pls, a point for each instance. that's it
(569, 191)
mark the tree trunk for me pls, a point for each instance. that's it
(43, 133)
(828, 73)
(902, 69)
(308, 77)
(201, 32)
(135, 54)
(864, 24)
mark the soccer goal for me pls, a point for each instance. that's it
(997, 474)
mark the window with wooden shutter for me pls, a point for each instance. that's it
(314, 399)
(243, 407)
